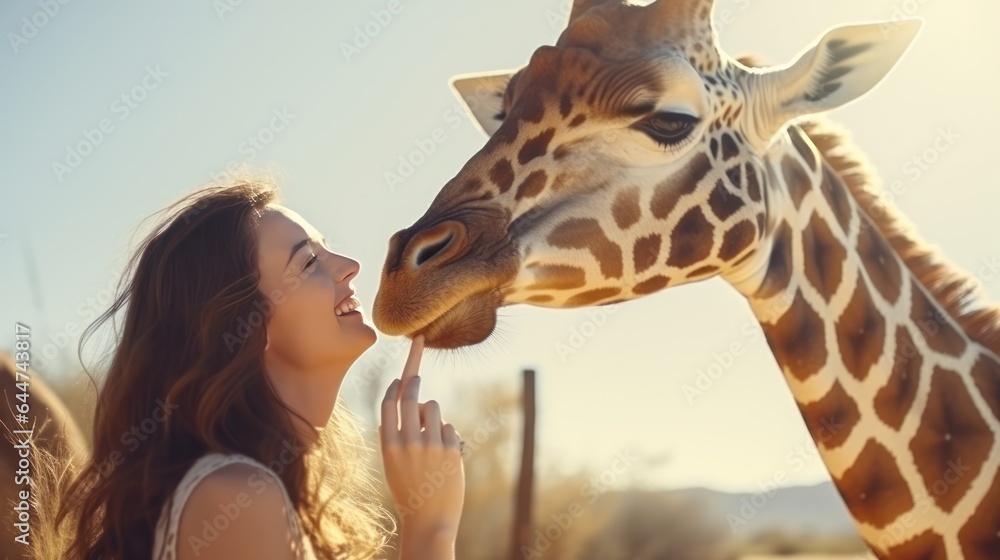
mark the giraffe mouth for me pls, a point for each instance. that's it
(470, 321)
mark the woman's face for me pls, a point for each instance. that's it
(309, 288)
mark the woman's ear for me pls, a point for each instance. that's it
(843, 65)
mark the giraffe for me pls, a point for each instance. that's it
(634, 155)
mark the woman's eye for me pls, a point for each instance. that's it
(668, 128)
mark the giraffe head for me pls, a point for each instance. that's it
(624, 159)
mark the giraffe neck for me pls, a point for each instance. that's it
(901, 403)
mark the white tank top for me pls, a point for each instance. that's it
(165, 538)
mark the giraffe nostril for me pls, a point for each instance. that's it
(427, 253)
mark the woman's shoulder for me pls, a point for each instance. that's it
(230, 505)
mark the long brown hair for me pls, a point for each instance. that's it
(186, 377)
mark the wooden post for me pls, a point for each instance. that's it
(523, 521)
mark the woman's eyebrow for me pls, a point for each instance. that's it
(295, 248)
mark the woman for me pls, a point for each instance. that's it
(218, 431)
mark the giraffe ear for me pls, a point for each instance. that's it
(843, 65)
(482, 95)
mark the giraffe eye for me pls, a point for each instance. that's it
(667, 128)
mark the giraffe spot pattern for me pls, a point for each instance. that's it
(535, 147)
(824, 257)
(691, 240)
(729, 148)
(860, 332)
(986, 374)
(532, 185)
(797, 339)
(832, 418)
(556, 277)
(796, 179)
(502, 175)
(561, 152)
(565, 105)
(737, 239)
(702, 271)
(539, 298)
(667, 193)
(577, 120)
(894, 399)
(646, 251)
(836, 196)
(650, 285)
(880, 262)
(873, 488)
(586, 233)
(625, 208)
(723, 202)
(779, 269)
(925, 546)
(979, 536)
(591, 296)
(735, 175)
(952, 442)
(937, 329)
(753, 184)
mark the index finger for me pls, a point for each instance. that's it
(412, 366)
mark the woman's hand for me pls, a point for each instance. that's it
(423, 462)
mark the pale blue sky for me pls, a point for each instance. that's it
(212, 81)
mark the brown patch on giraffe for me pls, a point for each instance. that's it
(779, 268)
(729, 148)
(646, 251)
(586, 233)
(723, 202)
(591, 296)
(737, 239)
(796, 179)
(937, 329)
(667, 193)
(832, 418)
(691, 240)
(894, 399)
(860, 332)
(577, 120)
(735, 175)
(880, 263)
(802, 146)
(625, 208)
(502, 175)
(925, 546)
(565, 105)
(949, 286)
(753, 183)
(556, 277)
(532, 185)
(561, 152)
(539, 298)
(797, 339)
(873, 488)
(986, 374)
(650, 285)
(743, 259)
(980, 537)
(952, 441)
(535, 147)
(702, 271)
(836, 196)
(824, 257)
